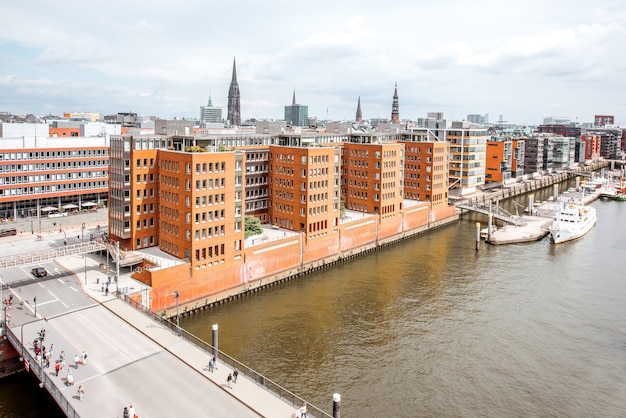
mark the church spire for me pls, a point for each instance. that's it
(294, 97)
(359, 115)
(395, 107)
(234, 100)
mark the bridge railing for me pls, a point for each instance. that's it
(258, 378)
(38, 370)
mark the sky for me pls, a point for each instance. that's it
(517, 61)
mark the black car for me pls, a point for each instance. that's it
(39, 272)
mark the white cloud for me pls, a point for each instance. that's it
(453, 56)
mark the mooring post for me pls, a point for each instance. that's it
(336, 405)
(214, 341)
(477, 235)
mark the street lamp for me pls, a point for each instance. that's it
(177, 317)
(35, 300)
(82, 238)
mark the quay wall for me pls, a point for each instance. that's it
(271, 263)
(279, 261)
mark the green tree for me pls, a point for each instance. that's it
(252, 226)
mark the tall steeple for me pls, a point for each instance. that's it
(359, 115)
(395, 107)
(294, 97)
(234, 100)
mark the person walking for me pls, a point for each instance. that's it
(211, 365)
(131, 411)
(76, 361)
(214, 363)
(81, 392)
(84, 356)
(125, 413)
(57, 367)
(229, 380)
(235, 374)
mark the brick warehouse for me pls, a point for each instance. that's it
(188, 196)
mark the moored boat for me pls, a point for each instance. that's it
(572, 221)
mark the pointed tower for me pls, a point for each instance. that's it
(234, 98)
(293, 102)
(359, 115)
(395, 107)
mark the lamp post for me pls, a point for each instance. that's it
(177, 317)
(35, 301)
(82, 238)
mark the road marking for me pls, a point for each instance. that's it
(40, 285)
(63, 303)
(61, 281)
(52, 294)
(49, 301)
(75, 290)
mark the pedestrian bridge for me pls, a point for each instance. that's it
(497, 212)
(47, 254)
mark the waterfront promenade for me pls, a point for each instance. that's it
(131, 357)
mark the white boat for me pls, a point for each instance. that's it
(572, 221)
(484, 233)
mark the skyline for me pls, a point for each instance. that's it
(523, 61)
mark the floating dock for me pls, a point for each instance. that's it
(530, 228)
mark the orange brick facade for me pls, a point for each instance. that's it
(191, 204)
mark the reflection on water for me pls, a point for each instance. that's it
(431, 327)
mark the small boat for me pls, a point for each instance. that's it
(620, 197)
(572, 221)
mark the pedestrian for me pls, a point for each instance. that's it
(81, 392)
(46, 356)
(303, 411)
(76, 361)
(125, 413)
(106, 291)
(211, 365)
(214, 363)
(57, 367)
(84, 355)
(229, 380)
(235, 374)
(131, 411)
(51, 349)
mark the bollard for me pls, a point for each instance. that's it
(336, 405)
(477, 235)
(214, 343)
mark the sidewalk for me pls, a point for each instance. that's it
(247, 391)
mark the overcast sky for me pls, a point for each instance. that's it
(524, 60)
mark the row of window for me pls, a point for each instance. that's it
(53, 177)
(65, 165)
(38, 155)
(209, 252)
(33, 190)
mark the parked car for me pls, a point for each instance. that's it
(39, 272)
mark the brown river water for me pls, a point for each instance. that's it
(430, 327)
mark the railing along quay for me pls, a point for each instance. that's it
(258, 378)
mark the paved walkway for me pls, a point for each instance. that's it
(131, 358)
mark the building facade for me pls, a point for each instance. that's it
(210, 113)
(296, 114)
(304, 189)
(425, 170)
(373, 175)
(48, 176)
(467, 156)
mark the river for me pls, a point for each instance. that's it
(431, 327)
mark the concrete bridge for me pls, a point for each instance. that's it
(134, 356)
